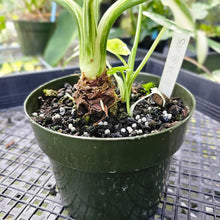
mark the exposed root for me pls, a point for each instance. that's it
(94, 96)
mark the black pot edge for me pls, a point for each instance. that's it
(15, 88)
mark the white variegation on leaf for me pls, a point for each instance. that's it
(201, 46)
(214, 45)
(200, 10)
(169, 24)
(182, 14)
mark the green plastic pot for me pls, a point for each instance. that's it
(109, 178)
(33, 36)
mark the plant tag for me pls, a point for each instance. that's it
(173, 62)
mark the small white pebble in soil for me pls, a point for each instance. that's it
(107, 131)
(70, 126)
(139, 131)
(146, 124)
(62, 110)
(55, 117)
(149, 108)
(34, 114)
(105, 123)
(123, 130)
(134, 125)
(143, 119)
(129, 129)
(86, 134)
(100, 123)
(139, 121)
(41, 115)
(164, 112)
(137, 117)
(166, 116)
(169, 116)
(132, 95)
(73, 111)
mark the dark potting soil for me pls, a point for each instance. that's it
(57, 112)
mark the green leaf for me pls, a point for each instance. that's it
(148, 86)
(6, 69)
(49, 92)
(65, 33)
(214, 45)
(216, 75)
(117, 47)
(114, 70)
(182, 15)
(2, 23)
(29, 66)
(120, 86)
(166, 22)
(214, 3)
(200, 10)
(17, 65)
(201, 46)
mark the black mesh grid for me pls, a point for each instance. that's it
(28, 190)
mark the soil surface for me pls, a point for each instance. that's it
(57, 112)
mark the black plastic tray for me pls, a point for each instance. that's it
(27, 185)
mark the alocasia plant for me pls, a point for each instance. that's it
(94, 90)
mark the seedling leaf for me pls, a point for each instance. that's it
(117, 47)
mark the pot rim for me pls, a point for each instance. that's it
(137, 137)
(33, 22)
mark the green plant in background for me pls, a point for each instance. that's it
(30, 9)
(34, 6)
(27, 9)
(63, 36)
(18, 65)
(207, 14)
(149, 28)
(202, 41)
(2, 27)
(2, 23)
(200, 11)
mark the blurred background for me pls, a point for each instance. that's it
(38, 35)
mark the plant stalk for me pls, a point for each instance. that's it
(149, 53)
(131, 59)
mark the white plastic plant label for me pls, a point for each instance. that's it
(173, 62)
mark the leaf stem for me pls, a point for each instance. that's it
(131, 60)
(132, 56)
(149, 53)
